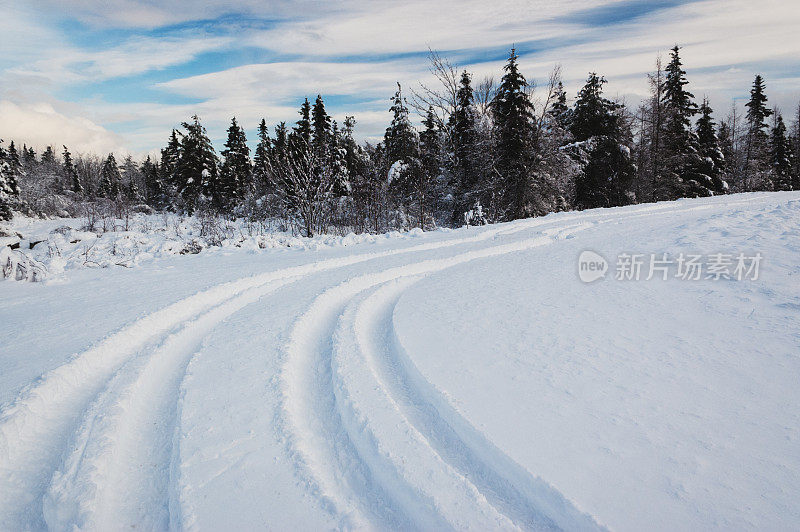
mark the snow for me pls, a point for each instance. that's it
(61, 244)
(396, 171)
(450, 379)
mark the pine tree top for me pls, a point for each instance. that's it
(757, 110)
(675, 95)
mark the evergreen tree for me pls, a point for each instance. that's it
(354, 156)
(430, 145)
(237, 171)
(593, 115)
(131, 177)
(606, 179)
(336, 160)
(196, 172)
(677, 98)
(321, 128)
(70, 175)
(684, 173)
(170, 155)
(133, 191)
(559, 111)
(514, 134)
(402, 149)
(13, 159)
(109, 178)
(9, 189)
(466, 167)
(300, 137)
(261, 160)
(153, 186)
(430, 158)
(28, 157)
(49, 159)
(780, 156)
(756, 161)
(280, 146)
(710, 149)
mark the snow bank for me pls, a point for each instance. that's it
(48, 248)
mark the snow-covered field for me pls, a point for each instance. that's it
(446, 380)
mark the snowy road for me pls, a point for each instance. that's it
(411, 384)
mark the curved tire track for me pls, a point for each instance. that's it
(326, 452)
(35, 429)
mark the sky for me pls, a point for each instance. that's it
(118, 75)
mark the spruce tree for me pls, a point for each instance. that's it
(261, 160)
(196, 172)
(13, 159)
(236, 171)
(593, 115)
(28, 157)
(677, 98)
(48, 160)
(514, 133)
(464, 133)
(131, 177)
(402, 148)
(170, 155)
(321, 128)
(9, 189)
(756, 161)
(70, 174)
(559, 111)
(684, 167)
(300, 137)
(430, 145)
(336, 160)
(354, 156)
(280, 146)
(430, 158)
(109, 178)
(154, 188)
(606, 179)
(710, 149)
(780, 156)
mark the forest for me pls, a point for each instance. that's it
(483, 151)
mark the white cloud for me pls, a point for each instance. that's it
(135, 56)
(157, 13)
(278, 82)
(397, 27)
(41, 125)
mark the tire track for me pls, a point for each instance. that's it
(529, 502)
(120, 470)
(318, 440)
(325, 436)
(35, 429)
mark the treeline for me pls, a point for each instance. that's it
(485, 152)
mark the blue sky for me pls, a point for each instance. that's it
(119, 74)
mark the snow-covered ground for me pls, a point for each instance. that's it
(58, 245)
(446, 380)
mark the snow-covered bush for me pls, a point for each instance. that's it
(17, 266)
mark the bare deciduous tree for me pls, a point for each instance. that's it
(442, 99)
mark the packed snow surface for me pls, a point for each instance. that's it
(462, 379)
